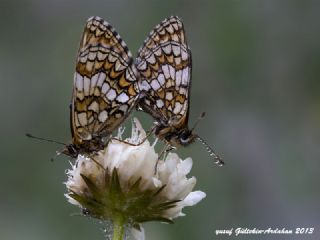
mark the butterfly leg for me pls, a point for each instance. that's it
(167, 148)
(91, 156)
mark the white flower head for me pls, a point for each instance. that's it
(121, 180)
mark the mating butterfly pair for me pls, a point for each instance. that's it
(108, 84)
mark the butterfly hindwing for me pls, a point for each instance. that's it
(164, 64)
(105, 85)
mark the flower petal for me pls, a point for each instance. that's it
(193, 198)
(140, 192)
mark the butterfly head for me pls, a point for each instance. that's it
(184, 137)
(187, 136)
(71, 150)
(176, 138)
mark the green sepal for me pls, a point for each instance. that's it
(110, 200)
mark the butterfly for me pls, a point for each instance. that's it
(105, 88)
(164, 63)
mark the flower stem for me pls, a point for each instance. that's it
(118, 227)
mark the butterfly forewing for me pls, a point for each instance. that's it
(105, 85)
(164, 64)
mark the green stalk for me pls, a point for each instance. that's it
(118, 227)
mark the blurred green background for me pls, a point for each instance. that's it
(256, 69)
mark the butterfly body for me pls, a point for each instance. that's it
(91, 146)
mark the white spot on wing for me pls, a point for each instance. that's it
(82, 119)
(86, 85)
(105, 88)
(183, 91)
(184, 54)
(151, 59)
(176, 50)
(111, 95)
(169, 96)
(177, 60)
(167, 49)
(123, 98)
(159, 103)
(103, 115)
(185, 76)
(78, 81)
(172, 72)
(184, 109)
(161, 79)
(177, 108)
(92, 55)
(101, 79)
(101, 56)
(158, 52)
(155, 85)
(77, 122)
(144, 85)
(111, 58)
(165, 70)
(178, 77)
(94, 80)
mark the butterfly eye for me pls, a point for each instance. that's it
(185, 137)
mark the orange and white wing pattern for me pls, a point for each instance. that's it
(164, 64)
(105, 85)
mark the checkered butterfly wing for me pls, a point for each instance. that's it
(105, 86)
(164, 63)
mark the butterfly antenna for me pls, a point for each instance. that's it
(202, 115)
(216, 158)
(44, 139)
